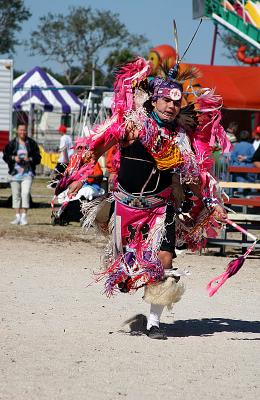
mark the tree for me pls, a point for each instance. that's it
(12, 14)
(117, 57)
(84, 81)
(81, 38)
(233, 42)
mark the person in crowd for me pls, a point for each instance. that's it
(243, 151)
(232, 131)
(65, 150)
(256, 135)
(222, 161)
(22, 155)
(256, 163)
(241, 156)
(256, 158)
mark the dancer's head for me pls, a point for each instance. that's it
(166, 98)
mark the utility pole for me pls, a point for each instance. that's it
(214, 44)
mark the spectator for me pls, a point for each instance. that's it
(222, 160)
(22, 155)
(243, 151)
(256, 136)
(232, 132)
(65, 152)
(241, 156)
(256, 158)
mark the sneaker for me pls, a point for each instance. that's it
(16, 221)
(24, 221)
(156, 333)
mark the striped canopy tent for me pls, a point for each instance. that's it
(39, 90)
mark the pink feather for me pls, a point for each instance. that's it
(210, 104)
(233, 267)
(128, 76)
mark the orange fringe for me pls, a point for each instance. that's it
(170, 159)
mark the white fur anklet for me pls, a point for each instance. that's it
(164, 293)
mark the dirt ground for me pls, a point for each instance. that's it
(61, 338)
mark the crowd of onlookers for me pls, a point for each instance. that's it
(245, 153)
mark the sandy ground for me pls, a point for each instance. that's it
(63, 340)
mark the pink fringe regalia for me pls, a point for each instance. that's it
(138, 231)
(203, 223)
(138, 225)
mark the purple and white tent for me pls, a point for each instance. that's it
(39, 90)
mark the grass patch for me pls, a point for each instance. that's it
(39, 227)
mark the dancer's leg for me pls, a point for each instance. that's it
(153, 322)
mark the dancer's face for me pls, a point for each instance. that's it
(166, 108)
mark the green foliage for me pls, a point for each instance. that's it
(12, 14)
(233, 42)
(118, 57)
(17, 73)
(82, 37)
(75, 71)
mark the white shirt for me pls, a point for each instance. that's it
(256, 143)
(65, 146)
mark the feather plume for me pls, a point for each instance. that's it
(128, 77)
(131, 73)
(183, 74)
(189, 72)
(209, 101)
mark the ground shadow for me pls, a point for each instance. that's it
(195, 327)
(7, 203)
(136, 324)
(209, 326)
(41, 224)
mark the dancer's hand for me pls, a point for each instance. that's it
(131, 132)
(88, 156)
(220, 213)
(241, 158)
(74, 188)
(111, 181)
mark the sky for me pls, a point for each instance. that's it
(152, 18)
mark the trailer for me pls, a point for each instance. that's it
(6, 104)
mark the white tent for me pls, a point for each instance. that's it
(39, 90)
